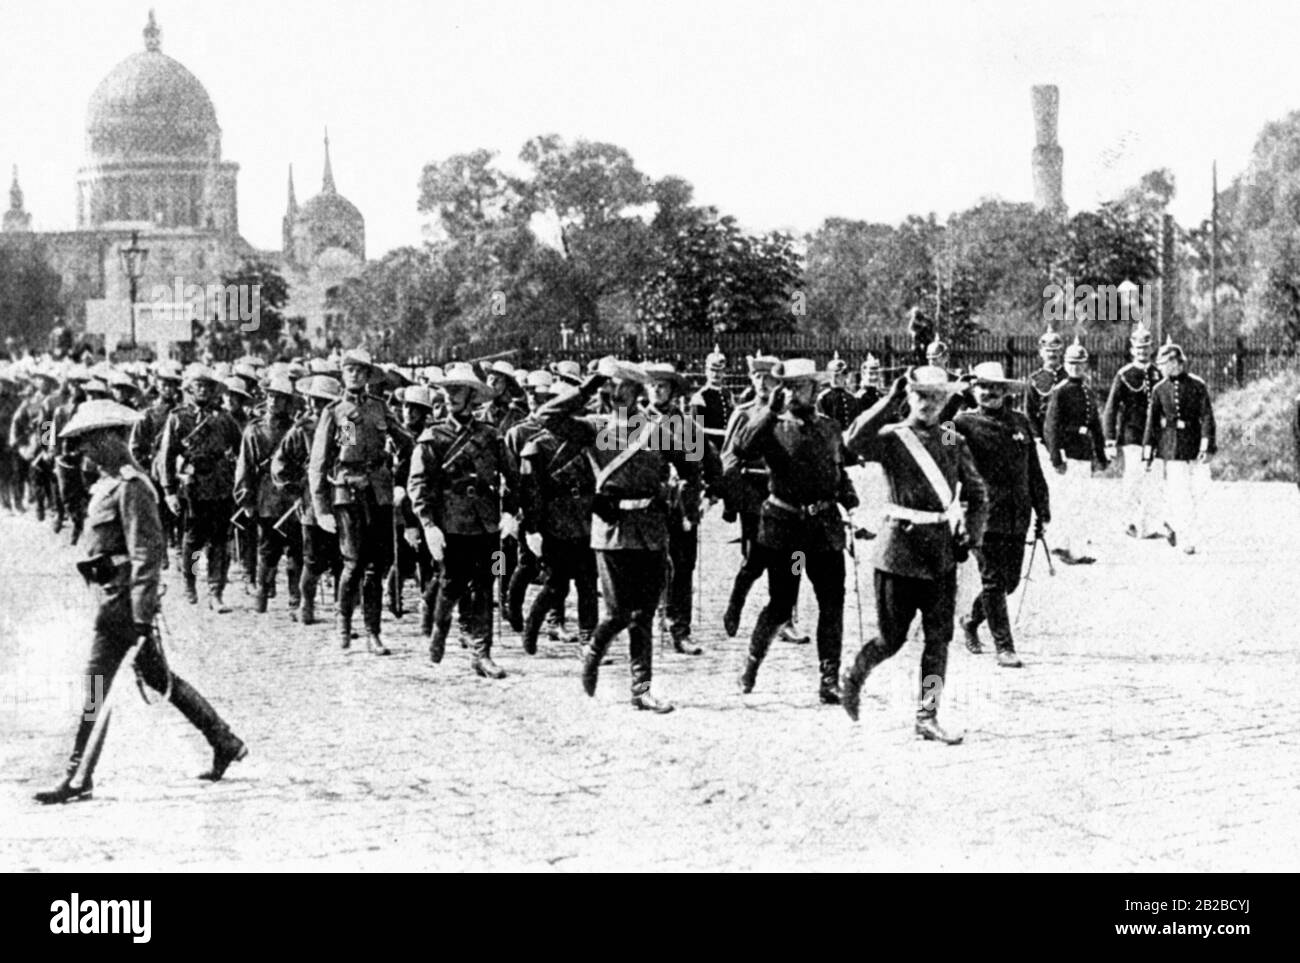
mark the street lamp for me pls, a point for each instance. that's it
(133, 259)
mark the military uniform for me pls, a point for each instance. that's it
(1180, 427)
(73, 496)
(145, 436)
(24, 432)
(1039, 389)
(556, 488)
(1124, 422)
(197, 456)
(917, 551)
(711, 406)
(264, 504)
(11, 487)
(1075, 442)
(1001, 443)
(799, 520)
(839, 404)
(454, 486)
(629, 526)
(350, 478)
(320, 549)
(125, 536)
(528, 566)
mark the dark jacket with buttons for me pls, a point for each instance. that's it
(456, 477)
(1179, 418)
(1002, 445)
(1071, 425)
(1040, 386)
(556, 487)
(1125, 418)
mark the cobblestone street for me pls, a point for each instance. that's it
(1151, 729)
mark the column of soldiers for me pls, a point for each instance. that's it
(482, 482)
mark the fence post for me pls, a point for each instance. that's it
(1239, 367)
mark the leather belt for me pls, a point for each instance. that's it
(755, 471)
(634, 504)
(915, 515)
(808, 511)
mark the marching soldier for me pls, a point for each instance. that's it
(1075, 443)
(1002, 445)
(197, 453)
(11, 487)
(72, 500)
(800, 526)
(27, 433)
(1051, 349)
(556, 489)
(412, 555)
(454, 488)
(320, 548)
(126, 549)
(1125, 422)
(836, 401)
(931, 475)
(503, 410)
(631, 455)
(125, 390)
(745, 486)
(262, 502)
(351, 483)
(238, 400)
(1180, 431)
(665, 390)
(147, 433)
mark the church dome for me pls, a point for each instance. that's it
(151, 106)
(330, 209)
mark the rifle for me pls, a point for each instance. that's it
(857, 584)
(278, 526)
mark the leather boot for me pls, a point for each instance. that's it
(593, 653)
(648, 703)
(532, 627)
(555, 629)
(259, 604)
(829, 692)
(759, 641)
(216, 603)
(928, 728)
(375, 645)
(66, 792)
(484, 666)
(226, 748)
(970, 630)
(307, 610)
(851, 683)
(344, 624)
(191, 591)
(682, 643)
(790, 633)
(426, 618)
(731, 619)
(1008, 659)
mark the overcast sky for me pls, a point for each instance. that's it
(780, 113)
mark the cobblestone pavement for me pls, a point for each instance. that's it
(1152, 729)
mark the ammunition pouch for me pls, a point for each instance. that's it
(101, 569)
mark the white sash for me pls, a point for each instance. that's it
(637, 442)
(929, 467)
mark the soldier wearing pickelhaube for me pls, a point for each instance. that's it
(1051, 349)
(836, 401)
(197, 454)
(632, 457)
(262, 502)
(455, 489)
(711, 405)
(1075, 444)
(320, 548)
(126, 550)
(1180, 431)
(351, 482)
(1124, 422)
(800, 526)
(871, 386)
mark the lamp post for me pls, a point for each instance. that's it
(133, 259)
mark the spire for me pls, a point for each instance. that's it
(15, 193)
(327, 182)
(152, 35)
(293, 198)
(16, 219)
(290, 218)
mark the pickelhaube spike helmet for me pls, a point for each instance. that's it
(1170, 351)
(1141, 336)
(1076, 353)
(1051, 339)
(837, 365)
(935, 349)
(872, 363)
(715, 360)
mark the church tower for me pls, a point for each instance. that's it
(16, 219)
(290, 218)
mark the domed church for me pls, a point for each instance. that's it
(153, 166)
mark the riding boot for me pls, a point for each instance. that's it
(851, 684)
(593, 652)
(760, 639)
(829, 692)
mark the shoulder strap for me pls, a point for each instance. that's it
(925, 461)
(637, 442)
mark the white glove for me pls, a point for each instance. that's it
(328, 523)
(534, 540)
(509, 526)
(436, 541)
(173, 503)
(412, 536)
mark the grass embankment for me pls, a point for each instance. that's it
(1254, 422)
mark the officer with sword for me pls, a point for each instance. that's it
(126, 547)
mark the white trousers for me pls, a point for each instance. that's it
(1141, 492)
(1186, 483)
(1073, 508)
